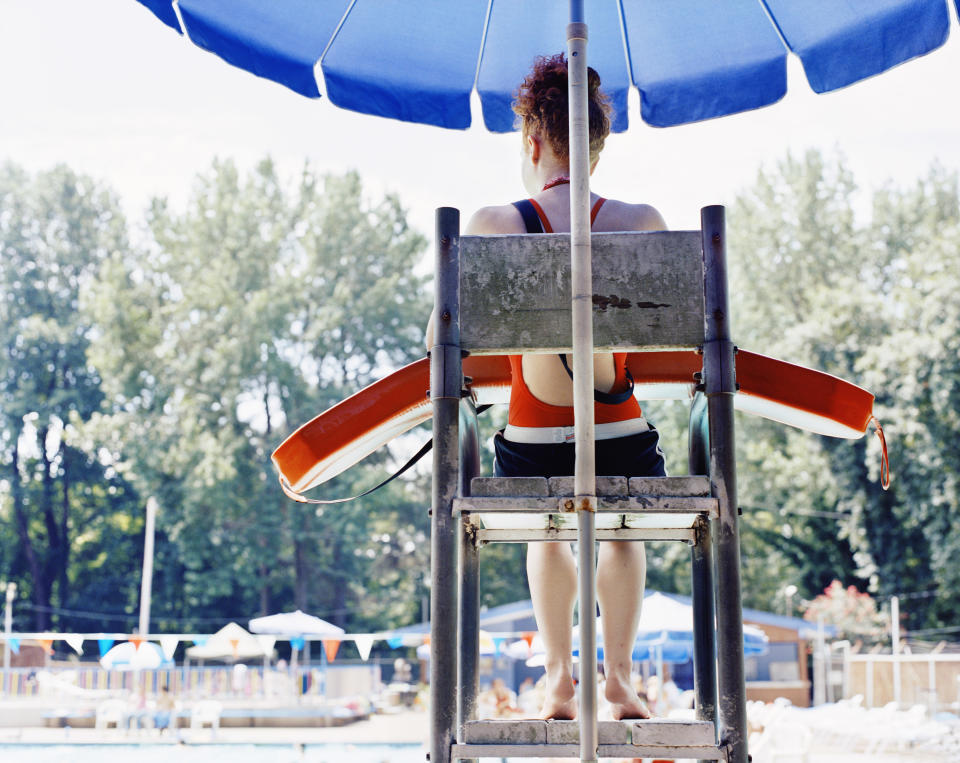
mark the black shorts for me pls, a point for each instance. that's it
(636, 455)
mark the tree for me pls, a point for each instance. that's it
(854, 613)
(55, 229)
(243, 317)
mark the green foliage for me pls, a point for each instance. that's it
(55, 230)
(174, 366)
(246, 315)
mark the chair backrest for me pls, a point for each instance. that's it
(648, 292)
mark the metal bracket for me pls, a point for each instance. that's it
(446, 378)
(719, 354)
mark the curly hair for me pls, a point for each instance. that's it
(541, 106)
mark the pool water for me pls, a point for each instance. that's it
(325, 753)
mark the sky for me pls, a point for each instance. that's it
(106, 88)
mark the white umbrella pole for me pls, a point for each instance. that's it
(581, 282)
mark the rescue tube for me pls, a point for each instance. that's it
(353, 429)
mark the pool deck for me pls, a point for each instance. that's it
(403, 727)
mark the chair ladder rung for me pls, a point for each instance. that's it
(660, 738)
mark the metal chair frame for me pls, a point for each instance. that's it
(715, 544)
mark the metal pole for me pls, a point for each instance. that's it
(146, 580)
(895, 629)
(446, 381)
(819, 666)
(720, 386)
(469, 574)
(701, 553)
(8, 623)
(581, 282)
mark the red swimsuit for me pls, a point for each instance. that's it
(528, 411)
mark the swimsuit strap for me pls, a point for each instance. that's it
(607, 398)
(596, 208)
(544, 220)
(535, 220)
(531, 219)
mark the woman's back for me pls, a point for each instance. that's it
(544, 374)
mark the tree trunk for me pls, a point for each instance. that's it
(339, 589)
(264, 591)
(300, 573)
(54, 546)
(63, 559)
(41, 591)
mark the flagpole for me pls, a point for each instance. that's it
(581, 288)
(146, 580)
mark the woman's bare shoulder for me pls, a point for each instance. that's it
(635, 216)
(492, 220)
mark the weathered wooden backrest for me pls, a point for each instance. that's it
(515, 292)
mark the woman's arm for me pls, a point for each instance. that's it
(486, 221)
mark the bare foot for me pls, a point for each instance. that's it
(560, 703)
(624, 702)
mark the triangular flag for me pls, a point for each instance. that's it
(235, 645)
(297, 642)
(395, 642)
(330, 647)
(104, 644)
(267, 643)
(364, 644)
(497, 644)
(47, 644)
(14, 645)
(528, 637)
(169, 645)
(136, 641)
(75, 641)
(201, 640)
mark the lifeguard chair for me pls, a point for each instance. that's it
(662, 297)
(497, 295)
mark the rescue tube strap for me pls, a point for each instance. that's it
(607, 398)
(884, 458)
(427, 446)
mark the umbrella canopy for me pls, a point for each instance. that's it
(130, 656)
(689, 59)
(231, 642)
(296, 623)
(665, 632)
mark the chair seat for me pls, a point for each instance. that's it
(542, 508)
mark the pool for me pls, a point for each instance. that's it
(211, 753)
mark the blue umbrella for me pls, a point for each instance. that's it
(665, 632)
(690, 59)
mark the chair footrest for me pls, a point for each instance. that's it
(661, 507)
(660, 737)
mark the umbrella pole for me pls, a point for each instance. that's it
(581, 282)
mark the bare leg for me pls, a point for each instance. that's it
(621, 573)
(552, 574)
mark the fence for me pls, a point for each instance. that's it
(912, 679)
(332, 681)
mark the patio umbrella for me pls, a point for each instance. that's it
(690, 60)
(232, 642)
(296, 623)
(665, 632)
(129, 656)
